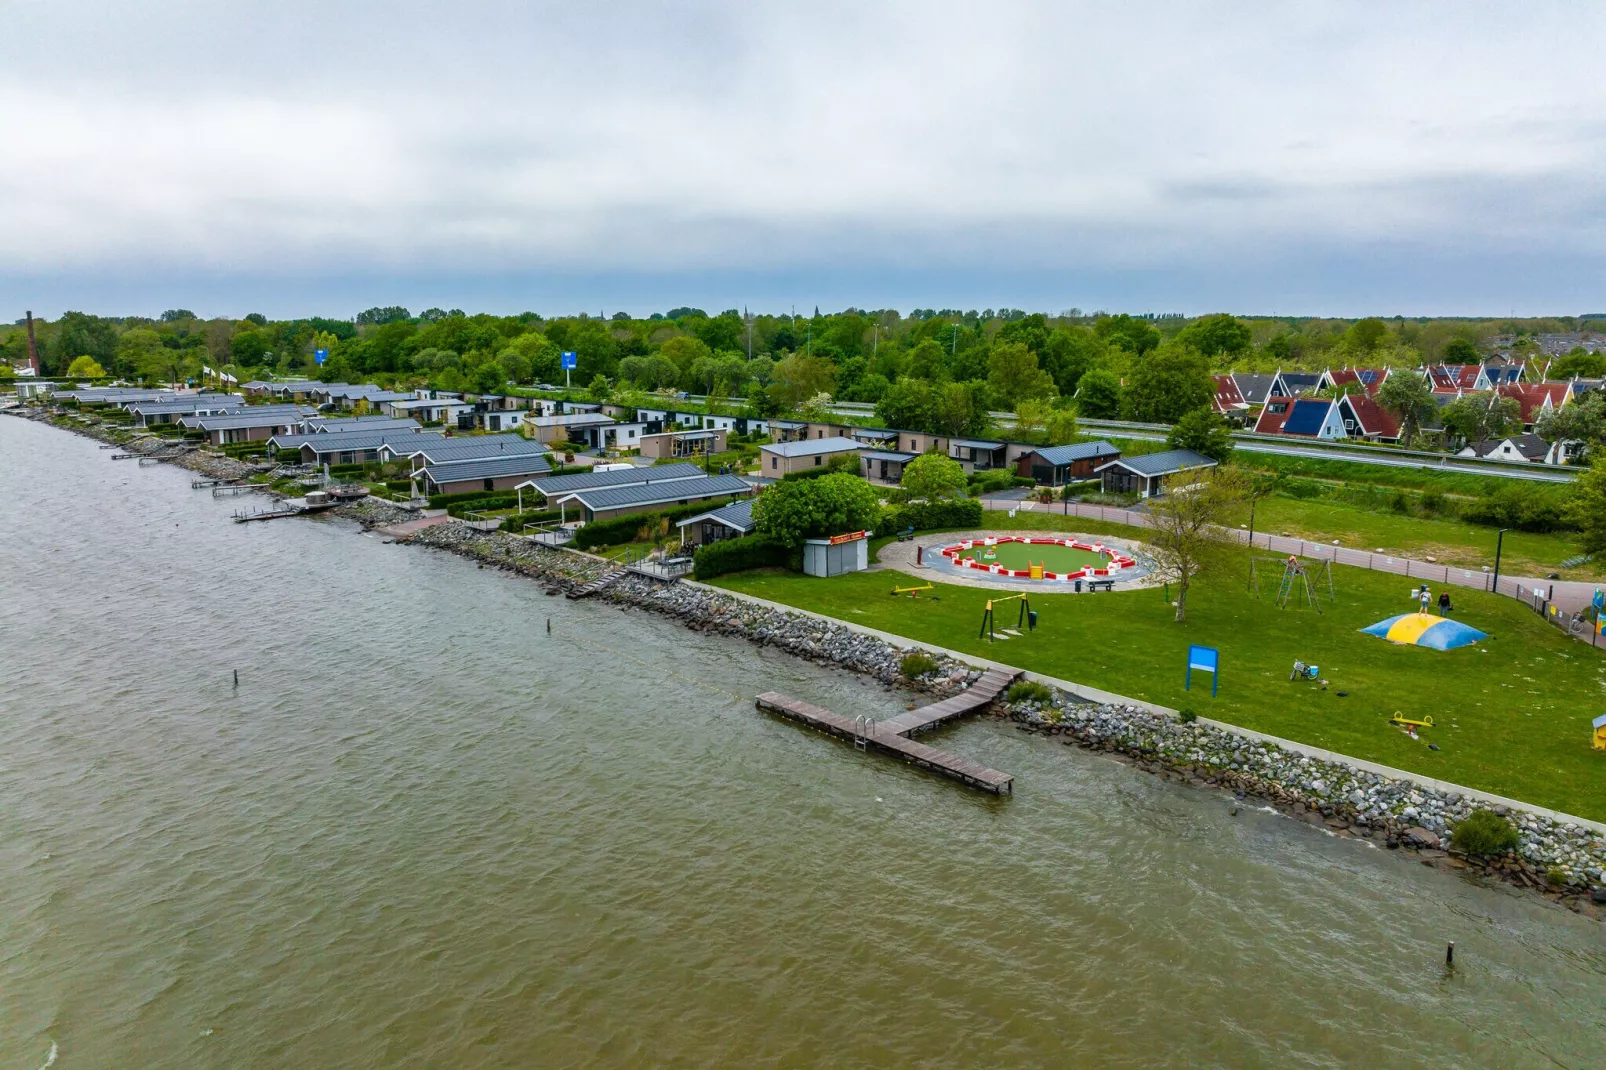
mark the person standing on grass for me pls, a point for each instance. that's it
(1425, 595)
(1444, 603)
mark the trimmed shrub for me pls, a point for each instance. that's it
(1029, 691)
(1484, 833)
(736, 555)
(924, 516)
(1187, 716)
(529, 518)
(917, 664)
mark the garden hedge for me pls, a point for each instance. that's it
(737, 555)
(924, 516)
(623, 529)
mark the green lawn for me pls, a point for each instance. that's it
(1513, 713)
(1021, 556)
(1448, 541)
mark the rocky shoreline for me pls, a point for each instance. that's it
(1563, 862)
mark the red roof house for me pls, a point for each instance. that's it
(1366, 419)
(1537, 398)
(1228, 398)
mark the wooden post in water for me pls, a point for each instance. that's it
(236, 678)
(1449, 954)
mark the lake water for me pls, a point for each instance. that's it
(424, 833)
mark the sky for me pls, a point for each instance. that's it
(296, 158)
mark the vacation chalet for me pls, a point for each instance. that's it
(1153, 474)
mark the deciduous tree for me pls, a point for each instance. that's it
(933, 477)
(1482, 417)
(797, 509)
(1202, 431)
(1184, 535)
(1407, 397)
(1166, 384)
(1013, 374)
(1098, 395)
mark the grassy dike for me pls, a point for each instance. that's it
(1513, 713)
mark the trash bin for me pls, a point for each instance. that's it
(1031, 620)
(1078, 586)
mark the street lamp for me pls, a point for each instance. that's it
(1499, 542)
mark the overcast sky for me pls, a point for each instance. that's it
(292, 157)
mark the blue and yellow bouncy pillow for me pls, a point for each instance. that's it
(1424, 629)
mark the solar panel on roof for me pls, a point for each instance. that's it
(1307, 418)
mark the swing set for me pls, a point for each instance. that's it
(1028, 619)
(1295, 581)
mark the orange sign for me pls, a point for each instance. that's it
(851, 536)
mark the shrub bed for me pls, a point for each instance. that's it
(737, 555)
(923, 516)
(621, 529)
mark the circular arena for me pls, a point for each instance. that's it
(1047, 558)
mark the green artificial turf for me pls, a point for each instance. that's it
(1020, 555)
(1513, 713)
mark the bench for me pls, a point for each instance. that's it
(906, 534)
(1108, 585)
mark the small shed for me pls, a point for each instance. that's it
(836, 555)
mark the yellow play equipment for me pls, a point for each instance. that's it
(1600, 732)
(1403, 722)
(1036, 569)
(911, 591)
(1027, 617)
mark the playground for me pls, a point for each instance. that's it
(1060, 562)
(1511, 714)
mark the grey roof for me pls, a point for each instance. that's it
(1161, 464)
(229, 421)
(738, 515)
(409, 402)
(576, 419)
(788, 423)
(516, 464)
(977, 443)
(691, 433)
(809, 447)
(620, 477)
(1529, 445)
(887, 455)
(335, 425)
(337, 441)
(879, 433)
(1076, 451)
(295, 386)
(676, 490)
(442, 450)
(1255, 388)
(188, 401)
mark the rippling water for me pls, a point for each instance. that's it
(422, 832)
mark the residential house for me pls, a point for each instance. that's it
(1255, 388)
(552, 487)
(1527, 448)
(727, 522)
(1055, 466)
(683, 443)
(1368, 379)
(1504, 374)
(1537, 399)
(436, 449)
(1153, 474)
(429, 410)
(920, 442)
(1456, 378)
(1301, 417)
(883, 466)
(568, 427)
(230, 428)
(782, 458)
(604, 503)
(1227, 400)
(1365, 419)
(484, 473)
(342, 447)
(1297, 384)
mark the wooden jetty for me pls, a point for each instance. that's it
(892, 735)
(124, 456)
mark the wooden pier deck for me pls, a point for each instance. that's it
(891, 736)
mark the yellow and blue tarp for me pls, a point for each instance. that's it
(1424, 629)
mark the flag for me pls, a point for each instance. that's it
(205, 370)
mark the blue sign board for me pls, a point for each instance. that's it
(570, 361)
(1205, 659)
(320, 355)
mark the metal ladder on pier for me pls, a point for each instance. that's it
(863, 730)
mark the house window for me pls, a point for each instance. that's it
(817, 461)
(775, 462)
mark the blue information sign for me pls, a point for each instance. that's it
(1205, 659)
(570, 361)
(320, 355)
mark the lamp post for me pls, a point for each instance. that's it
(1498, 543)
(1252, 522)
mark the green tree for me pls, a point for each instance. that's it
(933, 477)
(1133, 335)
(1031, 419)
(1098, 395)
(1587, 508)
(1460, 351)
(960, 409)
(797, 509)
(1202, 431)
(1579, 364)
(928, 360)
(490, 378)
(1481, 417)
(1579, 424)
(250, 348)
(1407, 397)
(1167, 383)
(685, 351)
(1366, 335)
(800, 377)
(908, 404)
(1217, 336)
(600, 389)
(1013, 374)
(79, 334)
(85, 367)
(1061, 429)
(1184, 537)
(1069, 353)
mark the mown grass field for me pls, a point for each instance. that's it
(1513, 713)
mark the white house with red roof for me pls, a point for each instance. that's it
(1537, 399)
(1228, 400)
(1368, 379)
(1456, 378)
(1365, 419)
(1300, 418)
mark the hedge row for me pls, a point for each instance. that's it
(924, 516)
(738, 555)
